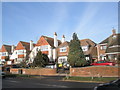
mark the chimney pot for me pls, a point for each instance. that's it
(31, 45)
(55, 33)
(63, 39)
(113, 31)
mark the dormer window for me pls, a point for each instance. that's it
(85, 48)
(63, 49)
(103, 47)
(114, 36)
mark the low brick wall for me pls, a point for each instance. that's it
(95, 71)
(15, 70)
(39, 71)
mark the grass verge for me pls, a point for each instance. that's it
(95, 79)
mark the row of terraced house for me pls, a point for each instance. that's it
(57, 50)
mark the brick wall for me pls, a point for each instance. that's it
(37, 71)
(95, 71)
(14, 71)
(62, 53)
(42, 71)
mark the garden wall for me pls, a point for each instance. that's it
(96, 71)
(36, 71)
(15, 71)
(39, 71)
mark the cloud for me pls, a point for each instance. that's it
(60, 15)
(89, 13)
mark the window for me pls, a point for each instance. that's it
(4, 53)
(20, 52)
(87, 58)
(63, 49)
(62, 59)
(85, 48)
(103, 47)
(44, 48)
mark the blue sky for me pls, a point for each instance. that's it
(25, 21)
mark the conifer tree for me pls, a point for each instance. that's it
(76, 56)
(40, 60)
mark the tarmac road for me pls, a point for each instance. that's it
(45, 82)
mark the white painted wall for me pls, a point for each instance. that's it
(43, 48)
(55, 41)
(62, 59)
(54, 54)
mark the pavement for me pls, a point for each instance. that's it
(45, 82)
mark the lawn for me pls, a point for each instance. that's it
(97, 79)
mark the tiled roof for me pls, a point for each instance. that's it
(26, 45)
(66, 43)
(113, 50)
(85, 42)
(113, 44)
(6, 47)
(107, 39)
(51, 41)
(92, 50)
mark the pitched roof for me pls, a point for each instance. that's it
(113, 43)
(26, 45)
(91, 45)
(113, 49)
(66, 43)
(6, 48)
(85, 42)
(51, 41)
(110, 37)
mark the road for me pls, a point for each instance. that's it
(45, 82)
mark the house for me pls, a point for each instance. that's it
(22, 51)
(109, 49)
(46, 45)
(62, 51)
(6, 52)
(88, 46)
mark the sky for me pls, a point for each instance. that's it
(25, 21)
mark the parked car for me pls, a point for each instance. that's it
(113, 85)
(50, 66)
(103, 63)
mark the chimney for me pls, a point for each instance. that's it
(12, 48)
(55, 40)
(113, 31)
(31, 45)
(63, 39)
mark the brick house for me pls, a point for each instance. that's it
(47, 45)
(88, 46)
(5, 52)
(22, 51)
(110, 47)
(62, 51)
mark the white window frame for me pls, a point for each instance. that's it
(85, 48)
(63, 49)
(44, 48)
(19, 52)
